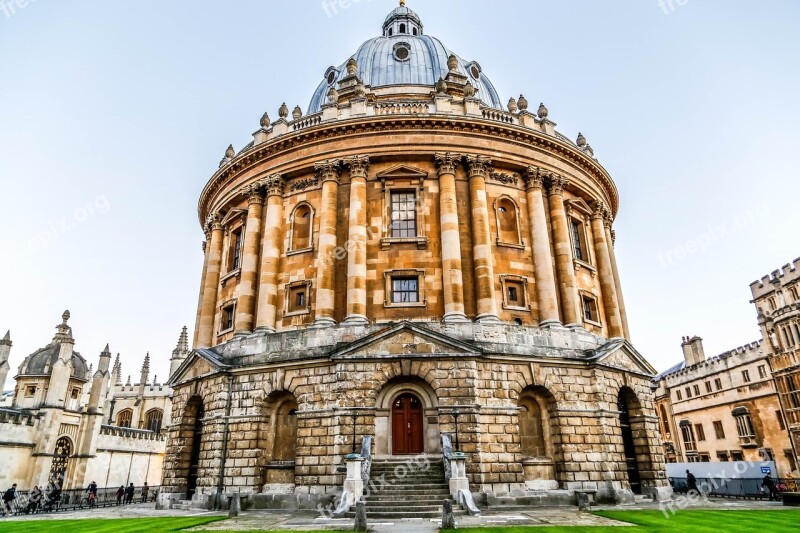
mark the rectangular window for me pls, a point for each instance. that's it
(297, 298)
(718, 384)
(227, 320)
(513, 295)
(30, 392)
(405, 290)
(719, 430)
(590, 312)
(746, 376)
(235, 255)
(697, 390)
(737, 456)
(700, 432)
(781, 422)
(723, 457)
(704, 458)
(578, 241)
(679, 395)
(762, 371)
(688, 437)
(688, 392)
(708, 386)
(404, 214)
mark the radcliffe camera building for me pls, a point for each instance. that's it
(742, 405)
(407, 249)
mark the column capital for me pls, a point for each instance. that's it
(600, 211)
(556, 184)
(204, 246)
(213, 222)
(358, 165)
(274, 185)
(254, 192)
(479, 166)
(534, 177)
(329, 170)
(446, 162)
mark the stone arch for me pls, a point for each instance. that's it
(278, 440)
(635, 448)
(189, 442)
(60, 466)
(395, 389)
(540, 437)
(507, 217)
(301, 227)
(125, 418)
(153, 419)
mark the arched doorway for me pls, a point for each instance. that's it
(625, 402)
(278, 440)
(58, 468)
(538, 425)
(194, 409)
(407, 427)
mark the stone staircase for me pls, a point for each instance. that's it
(417, 495)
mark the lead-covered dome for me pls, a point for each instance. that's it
(404, 56)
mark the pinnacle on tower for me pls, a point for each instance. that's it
(128, 383)
(7, 338)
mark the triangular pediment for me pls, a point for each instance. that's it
(580, 205)
(405, 339)
(620, 354)
(402, 171)
(199, 363)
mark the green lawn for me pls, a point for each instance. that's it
(692, 521)
(122, 525)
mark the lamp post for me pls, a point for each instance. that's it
(456, 414)
(355, 416)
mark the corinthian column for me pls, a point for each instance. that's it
(246, 307)
(452, 280)
(546, 291)
(201, 291)
(357, 242)
(205, 337)
(270, 255)
(565, 268)
(329, 174)
(479, 168)
(606, 272)
(621, 301)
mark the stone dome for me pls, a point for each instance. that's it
(40, 362)
(404, 56)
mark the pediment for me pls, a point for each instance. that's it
(405, 340)
(622, 355)
(580, 205)
(199, 363)
(402, 172)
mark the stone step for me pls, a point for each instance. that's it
(411, 487)
(401, 515)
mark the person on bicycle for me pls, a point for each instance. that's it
(34, 500)
(91, 493)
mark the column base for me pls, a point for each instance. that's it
(324, 322)
(455, 318)
(551, 324)
(242, 334)
(488, 319)
(356, 320)
(264, 329)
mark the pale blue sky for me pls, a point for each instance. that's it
(114, 114)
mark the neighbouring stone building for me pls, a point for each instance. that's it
(407, 250)
(68, 425)
(743, 403)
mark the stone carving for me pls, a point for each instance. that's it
(303, 184)
(274, 185)
(283, 112)
(522, 103)
(479, 166)
(441, 87)
(297, 113)
(328, 170)
(469, 90)
(447, 162)
(512, 105)
(358, 165)
(556, 183)
(505, 178)
(265, 121)
(534, 177)
(543, 112)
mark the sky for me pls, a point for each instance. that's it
(113, 115)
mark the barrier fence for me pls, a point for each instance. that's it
(749, 489)
(55, 500)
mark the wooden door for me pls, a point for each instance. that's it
(407, 434)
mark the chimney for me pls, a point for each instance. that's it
(697, 348)
(693, 352)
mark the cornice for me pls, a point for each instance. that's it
(257, 154)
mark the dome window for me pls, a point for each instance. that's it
(402, 51)
(331, 75)
(474, 70)
(402, 28)
(415, 31)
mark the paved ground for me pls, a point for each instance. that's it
(266, 520)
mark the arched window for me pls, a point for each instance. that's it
(402, 28)
(153, 420)
(58, 468)
(507, 216)
(125, 418)
(415, 31)
(278, 440)
(665, 422)
(302, 222)
(531, 428)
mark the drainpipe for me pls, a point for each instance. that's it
(221, 483)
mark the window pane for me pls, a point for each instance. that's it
(403, 214)
(405, 290)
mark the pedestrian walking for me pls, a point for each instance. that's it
(691, 482)
(34, 500)
(769, 484)
(129, 493)
(145, 490)
(120, 494)
(8, 497)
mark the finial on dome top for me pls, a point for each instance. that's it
(581, 142)
(522, 103)
(283, 112)
(452, 63)
(265, 121)
(352, 66)
(543, 112)
(65, 317)
(402, 3)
